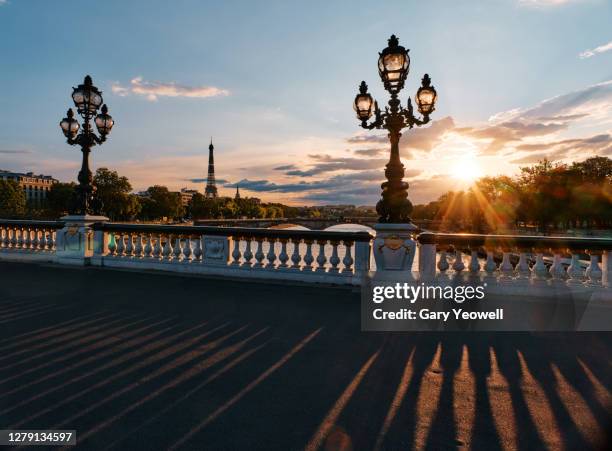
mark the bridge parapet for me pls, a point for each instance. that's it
(508, 263)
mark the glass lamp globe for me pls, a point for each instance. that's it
(87, 98)
(363, 104)
(70, 126)
(426, 96)
(393, 65)
(104, 121)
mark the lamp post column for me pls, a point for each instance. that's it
(75, 242)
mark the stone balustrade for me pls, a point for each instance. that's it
(28, 240)
(310, 256)
(515, 263)
(507, 263)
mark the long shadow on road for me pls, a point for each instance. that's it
(154, 361)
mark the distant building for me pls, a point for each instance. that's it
(211, 186)
(187, 195)
(237, 196)
(34, 186)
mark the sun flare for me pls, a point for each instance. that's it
(467, 170)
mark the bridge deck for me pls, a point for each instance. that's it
(152, 361)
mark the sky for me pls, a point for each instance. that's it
(273, 83)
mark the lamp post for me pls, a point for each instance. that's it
(393, 67)
(87, 99)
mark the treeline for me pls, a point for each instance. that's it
(545, 195)
(115, 199)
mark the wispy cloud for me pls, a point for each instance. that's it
(592, 52)
(544, 3)
(152, 90)
(14, 151)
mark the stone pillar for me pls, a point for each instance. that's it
(606, 267)
(394, 250)
(216, 250)
(362, 258)
(427, 256)
(75, 242)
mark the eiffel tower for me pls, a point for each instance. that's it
(211, 188)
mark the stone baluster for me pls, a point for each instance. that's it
(593, 271)
(3, 238)
(187, 250)
(157, 248)
(44, 240)
(167, 248)
(129, 246)
(120, 244)
(506, 269)
(458, 264)
(35, 240)
(259, 255)
(308, 258)
(283, 257)
(575, 273)
(177, 251)
(27, 240)
(334, 260)
(296, 258)
(606, 263)
(52, 239)
(348, 261)
(19, 238)
(474, 265)
(13, 240)
(490, 267)
(236, 254)
(138, 247)
(522, 268)
(197, 250)
(321, 258)
(443, 262)
(556, 270)
(539, 270)
(248, 253)
(112, 244)
(271, 255)
(148, 247)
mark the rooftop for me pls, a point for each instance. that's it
(154, 361)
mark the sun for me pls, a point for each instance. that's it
(466, 170)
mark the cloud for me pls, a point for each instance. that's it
(371, 152)
(592, 52)
(546, 3)
(152, 90)
(286, 167)
(14, 151)
(425, 138)
(594, 101)
(509, 132)
(324, 163)
(534, 158)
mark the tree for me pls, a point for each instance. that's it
(12, 199)
(202, 207)
(113, 194)
(60, 198)
(160, 203)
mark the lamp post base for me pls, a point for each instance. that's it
(394, 248)
(75, 242)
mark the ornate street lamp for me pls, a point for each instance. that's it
(87, 99)
(393, 66)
